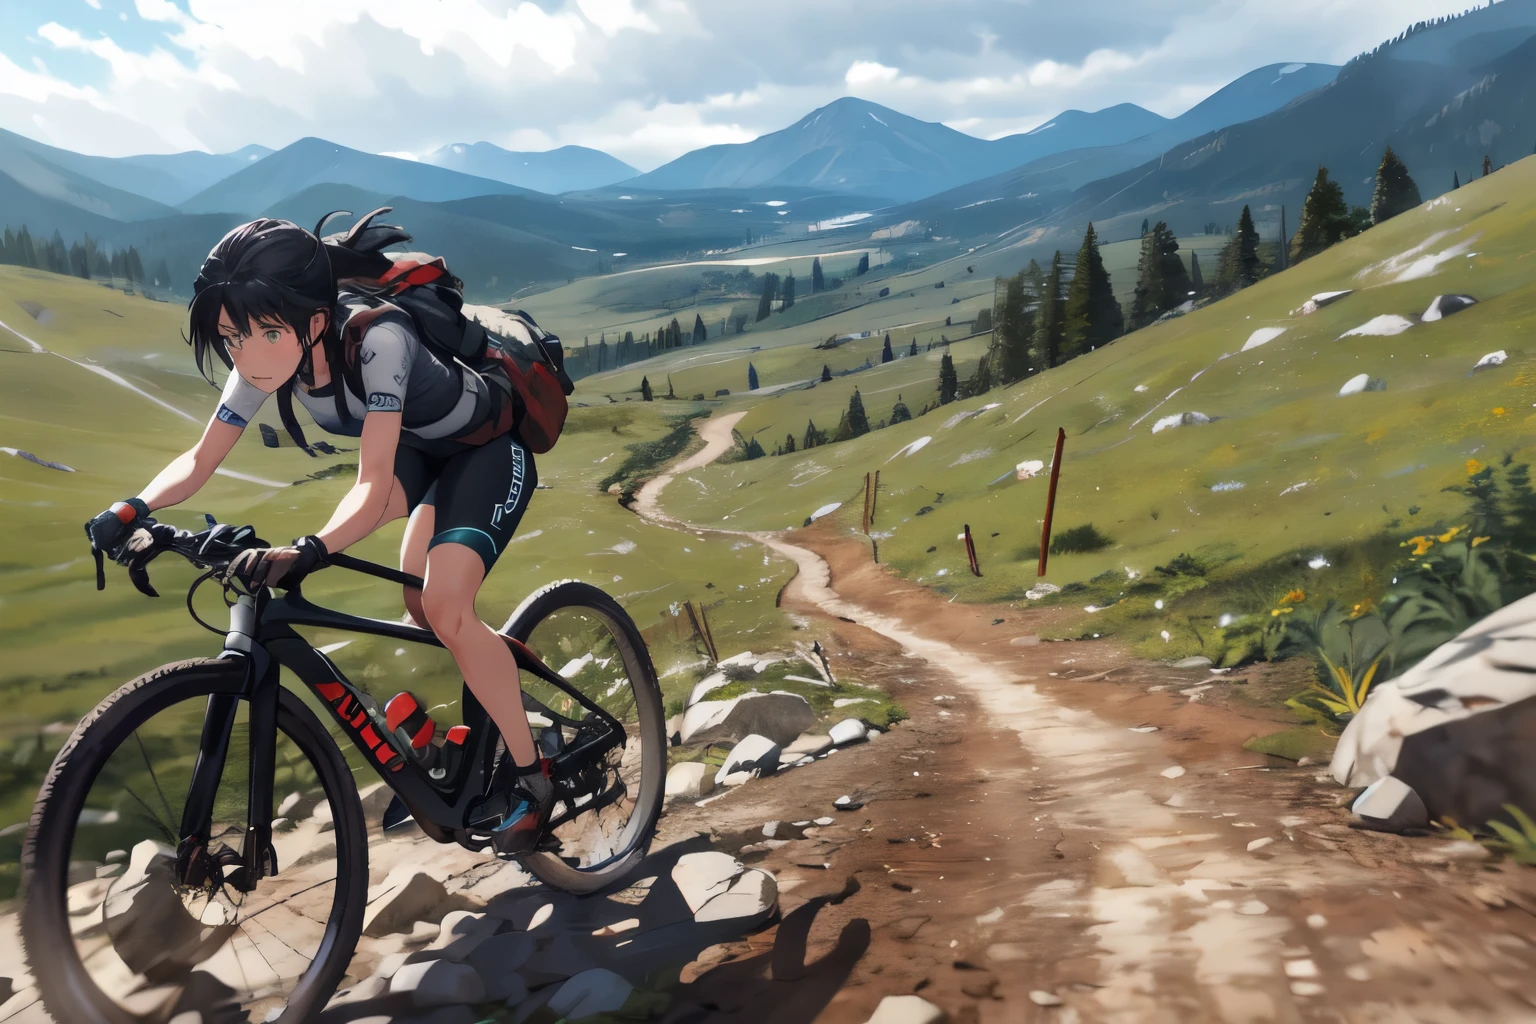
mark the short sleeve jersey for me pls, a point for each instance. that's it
(394, 366)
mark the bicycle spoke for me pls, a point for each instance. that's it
(169, 814)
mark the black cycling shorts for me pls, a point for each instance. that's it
(479, 493)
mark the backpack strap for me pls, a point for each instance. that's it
(290, 421)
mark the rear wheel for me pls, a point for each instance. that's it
(113, 932)
(591, 642)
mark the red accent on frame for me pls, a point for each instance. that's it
(344, 707)
(399, 708)
(360, 718)
(384, 754)
(457, 735)
(368, 736)
(330, 691)
(424, 735)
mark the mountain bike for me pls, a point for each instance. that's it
(160, 878)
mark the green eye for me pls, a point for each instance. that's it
(273, 337)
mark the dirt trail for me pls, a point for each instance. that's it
(1027, 833)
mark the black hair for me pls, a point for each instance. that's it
(269, 270)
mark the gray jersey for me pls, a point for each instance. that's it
(399, 374)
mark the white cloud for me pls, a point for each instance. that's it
(644, 79)
(94, 3)
(869, 72)
(401, 154)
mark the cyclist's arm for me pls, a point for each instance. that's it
(189, 471)
(385, 370)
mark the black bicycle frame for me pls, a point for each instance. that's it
(262, 634)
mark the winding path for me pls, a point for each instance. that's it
(1149, 874)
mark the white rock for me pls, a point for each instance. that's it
(710, 682)
(1028, 469)
(754, 754)
(1446, 305)
(590, 993)
(700, 877)
(1317, 922)
(689, 780)
(1259, 844)
(1173, 772)
(1180, 419)
(779, 716)
(288, 804)
(1391, 804)
(1198, 661)
(807, 743)
(1384, 326)
(751, 897)
(1492, 359)
(906, 1010)
(825, 821)
(849, 730)
(844, 702)
(826, 510)
(1040, 997)
(1300, 969)
(742, 658)
(1253, 908)
(439, 983)
(1262, 336)
(461, 933)
(1355, 385)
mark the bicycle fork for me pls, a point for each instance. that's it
(256, 858)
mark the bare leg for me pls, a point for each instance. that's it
(413, 557)
(454, 574)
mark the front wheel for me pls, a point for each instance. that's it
(113, 932)
(592, 643)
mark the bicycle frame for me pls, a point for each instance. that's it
(262, 634)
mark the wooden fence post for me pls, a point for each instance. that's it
(1050, 500)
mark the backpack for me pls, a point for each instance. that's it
(513, 354)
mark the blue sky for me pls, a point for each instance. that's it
(646, 80)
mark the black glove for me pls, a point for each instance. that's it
(109, 531)
(279, 567)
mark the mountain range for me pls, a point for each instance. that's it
(1443, 94)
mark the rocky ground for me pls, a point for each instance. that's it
(1058, 833)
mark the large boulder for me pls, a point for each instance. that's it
(1459, 728)
(780, 716)
(1445, 305)
(438, 983)
(718, 887)
(754, 755)
(407, 894)
(689, 780)
(589, 993)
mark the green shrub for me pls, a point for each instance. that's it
(1079, 540)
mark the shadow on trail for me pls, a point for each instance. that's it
(644, 929)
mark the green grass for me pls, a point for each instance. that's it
(1365, 461)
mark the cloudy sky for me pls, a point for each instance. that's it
(646, 80)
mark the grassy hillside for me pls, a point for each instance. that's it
(1285, 465)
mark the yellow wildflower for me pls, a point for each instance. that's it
(1363, 608)
(1499, 411)
(1474, 467)
(1450, 535)
(1294, 597)
(1420, 545)
(1277, 612)
(1478, 540)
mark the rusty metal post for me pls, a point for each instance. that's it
(1050, 500)
(970, 551)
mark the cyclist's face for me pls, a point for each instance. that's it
(266, 352)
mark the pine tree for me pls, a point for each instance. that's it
(134, 265)
(857, 421)
(645, 390)
(1161, 280)
(1144, 227)
(863, 265)
(1091, 313)
(983, 322)
(843, 432)
(913, 350)
(751, 377)
(26, 251)
(1050, 320)
(899, 412)
(826, 372)
(789, 444)
(77, 261)
(8, 253)
(886, 355)
(1487, 166)
(765, 301)
(1282, 246)
(1013, 331)
(754, 450)
(818, 279)
(1239, 265)
(788, 288)
(700, 332)
(949, 383)
(1196, 279)
(1395, 191)
(1455, 182)
(100, 265)
(978, 383)
(813, 437)
(1324, 218)
(670, 392)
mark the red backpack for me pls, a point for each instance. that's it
(514, 353)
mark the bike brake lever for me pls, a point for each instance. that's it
(101, 569)
(138, 575)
